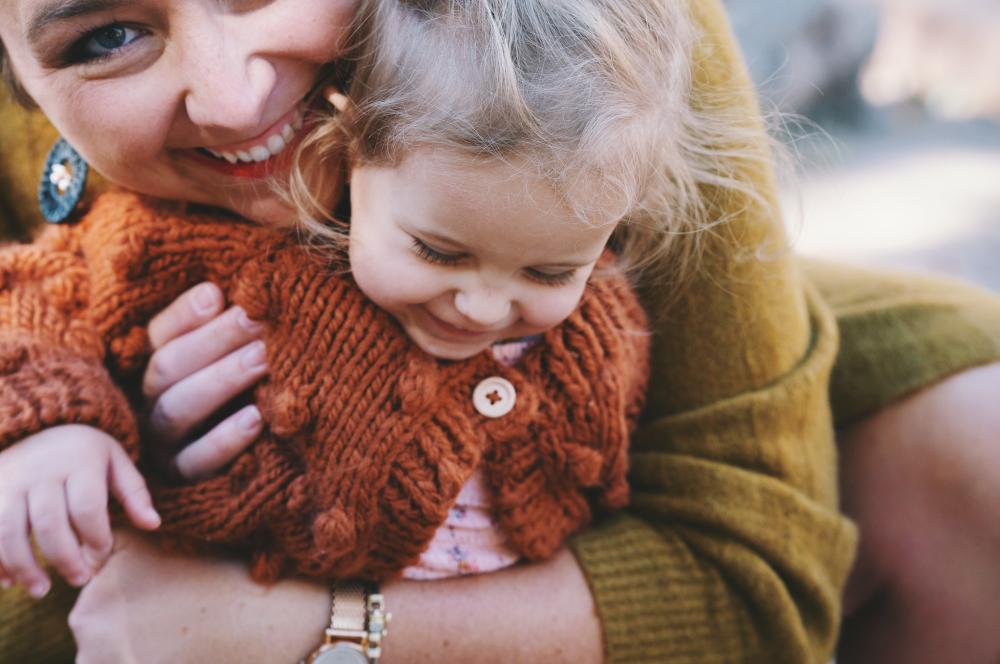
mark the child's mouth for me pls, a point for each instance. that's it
(255, 158)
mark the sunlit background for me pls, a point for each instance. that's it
(908, 95)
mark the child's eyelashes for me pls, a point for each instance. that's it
(550, 278)
(438, 257)
(432, 255)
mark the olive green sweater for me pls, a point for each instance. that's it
(733, 549)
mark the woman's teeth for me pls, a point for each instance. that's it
(274, 145)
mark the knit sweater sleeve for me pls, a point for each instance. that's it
(733, 548)
(51, 355)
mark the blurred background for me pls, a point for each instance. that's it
(898, 155)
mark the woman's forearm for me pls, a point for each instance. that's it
(151, 606)
(538, 612)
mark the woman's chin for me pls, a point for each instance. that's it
(271, 211)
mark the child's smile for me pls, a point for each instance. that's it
(465, 253)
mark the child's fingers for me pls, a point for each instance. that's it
(219, 446)
(55, 537)
(15, 548)
(87, 501)
(130, 489)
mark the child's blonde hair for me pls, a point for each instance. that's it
(572, 88)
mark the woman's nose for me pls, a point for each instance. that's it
(484, 308)
(229, 91)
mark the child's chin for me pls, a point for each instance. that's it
(448, 351)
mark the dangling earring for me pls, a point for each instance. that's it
(63, 181)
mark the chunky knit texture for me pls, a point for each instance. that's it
(369, 439)
(731, 549)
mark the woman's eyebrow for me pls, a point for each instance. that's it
(62, 10)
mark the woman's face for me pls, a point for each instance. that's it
(147, 90)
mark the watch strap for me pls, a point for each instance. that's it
(348, 611)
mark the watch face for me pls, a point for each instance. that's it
(341, 653)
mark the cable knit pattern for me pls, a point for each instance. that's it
(369, 439)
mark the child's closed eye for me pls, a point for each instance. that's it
(550, 278)
(436, 256)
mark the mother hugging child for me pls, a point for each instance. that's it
(454, 371)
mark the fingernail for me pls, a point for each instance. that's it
(154, 516)
(80, 579)
(249, 419)
(248, 323)
(39, 590)
(206, 298)
(253, 357)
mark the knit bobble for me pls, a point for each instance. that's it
(583, 464)
(333, 532)
(287, 413)
(131, 350)
(417, 387)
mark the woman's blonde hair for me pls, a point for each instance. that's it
(582, 91)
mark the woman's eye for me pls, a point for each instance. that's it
(432, 255)
(550, 278)
(104, 42)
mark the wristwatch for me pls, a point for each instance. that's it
(358, 622)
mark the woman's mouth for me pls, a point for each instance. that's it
(256, 157)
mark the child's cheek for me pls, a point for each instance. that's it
(547, 309)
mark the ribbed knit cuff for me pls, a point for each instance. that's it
(43, 387)
(639, 581)
(892, 347)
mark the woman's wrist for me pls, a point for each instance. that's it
(533, 612)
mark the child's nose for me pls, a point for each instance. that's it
(484, 308)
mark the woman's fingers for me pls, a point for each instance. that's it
(191, 310)
(184, 355)
(130, 489)
(15, 548)
(190, 402)
(55, 537)
(219, 446)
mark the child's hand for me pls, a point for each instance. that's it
(54, 484)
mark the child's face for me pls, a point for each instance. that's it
(466, 253)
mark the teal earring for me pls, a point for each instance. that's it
(63, 182)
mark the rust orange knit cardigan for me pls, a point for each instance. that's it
(368, 439)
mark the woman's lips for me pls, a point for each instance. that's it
(254, 158)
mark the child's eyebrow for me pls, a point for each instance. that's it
(63, 10)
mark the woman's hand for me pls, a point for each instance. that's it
(203, 358)
(151, 606)
(148, 605)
